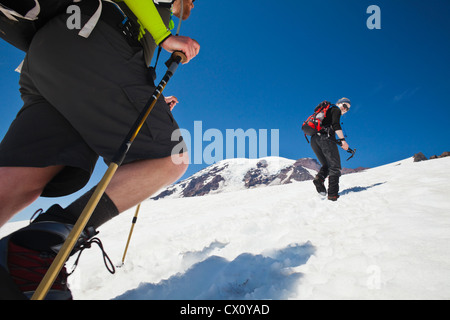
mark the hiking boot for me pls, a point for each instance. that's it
(333, 187)
(27, 254)
(333, 197)
(26, 268)
(320, 186)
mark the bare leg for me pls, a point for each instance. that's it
(131, 184)
(137, 181)
(21, 186)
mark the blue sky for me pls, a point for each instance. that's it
(266, 64)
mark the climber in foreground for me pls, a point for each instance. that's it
(81, 96)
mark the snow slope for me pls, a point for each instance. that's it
(388, 237)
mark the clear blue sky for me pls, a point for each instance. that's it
(266, 64)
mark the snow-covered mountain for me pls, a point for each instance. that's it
(239, 174)
(387, 237)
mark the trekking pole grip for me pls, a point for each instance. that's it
(180, 55)
(175, 59)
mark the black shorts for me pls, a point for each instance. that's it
(81, 97)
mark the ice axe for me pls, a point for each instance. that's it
(349, 150)
(69, 244)
(352, 151)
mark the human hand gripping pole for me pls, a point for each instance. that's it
(69, 244)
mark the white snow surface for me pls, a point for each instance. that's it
(387, 237)
(233, 172)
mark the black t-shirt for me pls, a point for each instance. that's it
(333, 119)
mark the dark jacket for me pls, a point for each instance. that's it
(332, 121)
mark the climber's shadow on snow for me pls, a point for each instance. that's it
(192, 257)
(266, 276)
(359, 189)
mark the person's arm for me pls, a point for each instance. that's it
(340, 134)
(150, 19)
(344, 143)
(336, 125)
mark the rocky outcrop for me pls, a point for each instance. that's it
(260, 176)
(308, 163)
(200, 186)
(443, 155)
(421, 157)
(237, 174)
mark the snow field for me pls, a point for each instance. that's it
(387, 237)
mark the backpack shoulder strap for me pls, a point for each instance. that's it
(27, 12)
(322, 105)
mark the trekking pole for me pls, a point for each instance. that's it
(133, 223)
(69, 244)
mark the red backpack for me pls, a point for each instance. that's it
(313, 124)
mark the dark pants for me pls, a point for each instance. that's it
(81, 97)
(327, 153)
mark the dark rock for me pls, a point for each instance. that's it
(198, 187)
(167, 192)
(294, 173)
(203, 184)
(348, 171)
(308, 163)
(419, 157)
